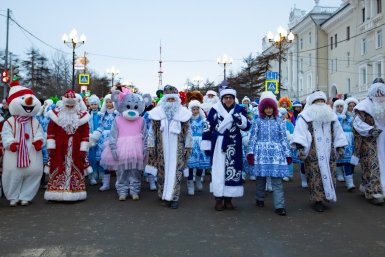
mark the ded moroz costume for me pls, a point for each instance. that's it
(169, 144)
(67, 144)
(319, 139)
(369, 126)
(222, 139)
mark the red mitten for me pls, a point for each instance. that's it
(38, 145)
(13, 147)
(250, 159)
(289, 160)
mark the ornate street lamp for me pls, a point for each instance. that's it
(72, 41)
(280, 40)
(113, 73)
(225, 61)
(198, 79)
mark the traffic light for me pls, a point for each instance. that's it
(5, 76)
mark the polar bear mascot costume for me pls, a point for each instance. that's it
(23, 140)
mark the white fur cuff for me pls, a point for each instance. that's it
(96, 135)
(46, 169)
(51, 144)
(151, 170)
(205, 145)
(185, 172)
(84, 146)
(244, 122)
(354, 160)
(88, 171)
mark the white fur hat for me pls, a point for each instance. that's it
(94, 99)
(315, 96)
(376, 90)
(339, 102)
(246, 98)
(196, 103)
(104, 108)
(211, 92)
(351, 100)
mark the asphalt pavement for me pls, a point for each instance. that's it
(104, 226)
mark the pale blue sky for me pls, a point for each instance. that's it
(193, 33)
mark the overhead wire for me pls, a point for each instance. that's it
(24, 30)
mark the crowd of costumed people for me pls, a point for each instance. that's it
(65, 145)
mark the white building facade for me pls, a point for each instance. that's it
(338, 50)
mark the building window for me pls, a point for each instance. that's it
(348, 85)
(379, 70)
(309, 83)
(379, 6)
(348, 59)
(363, 14)
(309, 38)
(331, 66)
(379, 39)
(364, 47)
(300, 84)
(363, 77)
(331, 43)
(335, 65)
(301, 65)
(347, 33)
(301, 43)
(310, 60)
(335, 40)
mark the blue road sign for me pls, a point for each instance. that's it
(271, 75)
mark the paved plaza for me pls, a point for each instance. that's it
(104, 226)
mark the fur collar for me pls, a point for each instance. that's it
(84, 117)
(158, 113)
(365, 105)
(221, 110)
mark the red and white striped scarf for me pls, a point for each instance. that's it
(23, 154)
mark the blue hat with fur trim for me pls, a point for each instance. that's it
(225, 89)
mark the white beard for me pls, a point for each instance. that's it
(208, 103)
(321, 112)
(170, 108)
(68, 119)
(379, 111)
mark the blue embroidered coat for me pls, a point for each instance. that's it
(346, 122)
(93, 125)
(197, 159)
(105, 124)
(222, 135)
(269, 144)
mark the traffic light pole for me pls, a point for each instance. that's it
(6, 57)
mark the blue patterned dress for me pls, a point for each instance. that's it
(44, 120)
(269, 144)
(198, 159)
(347, 126)
(105, 123)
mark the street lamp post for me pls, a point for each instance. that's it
(225, 61)
(113, 73)
(198, 79)
(72, 41)
(280, 40)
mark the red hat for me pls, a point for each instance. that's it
(69, 97)
(17, 90)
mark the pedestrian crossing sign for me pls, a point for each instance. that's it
(84, 79)
(272, 85)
